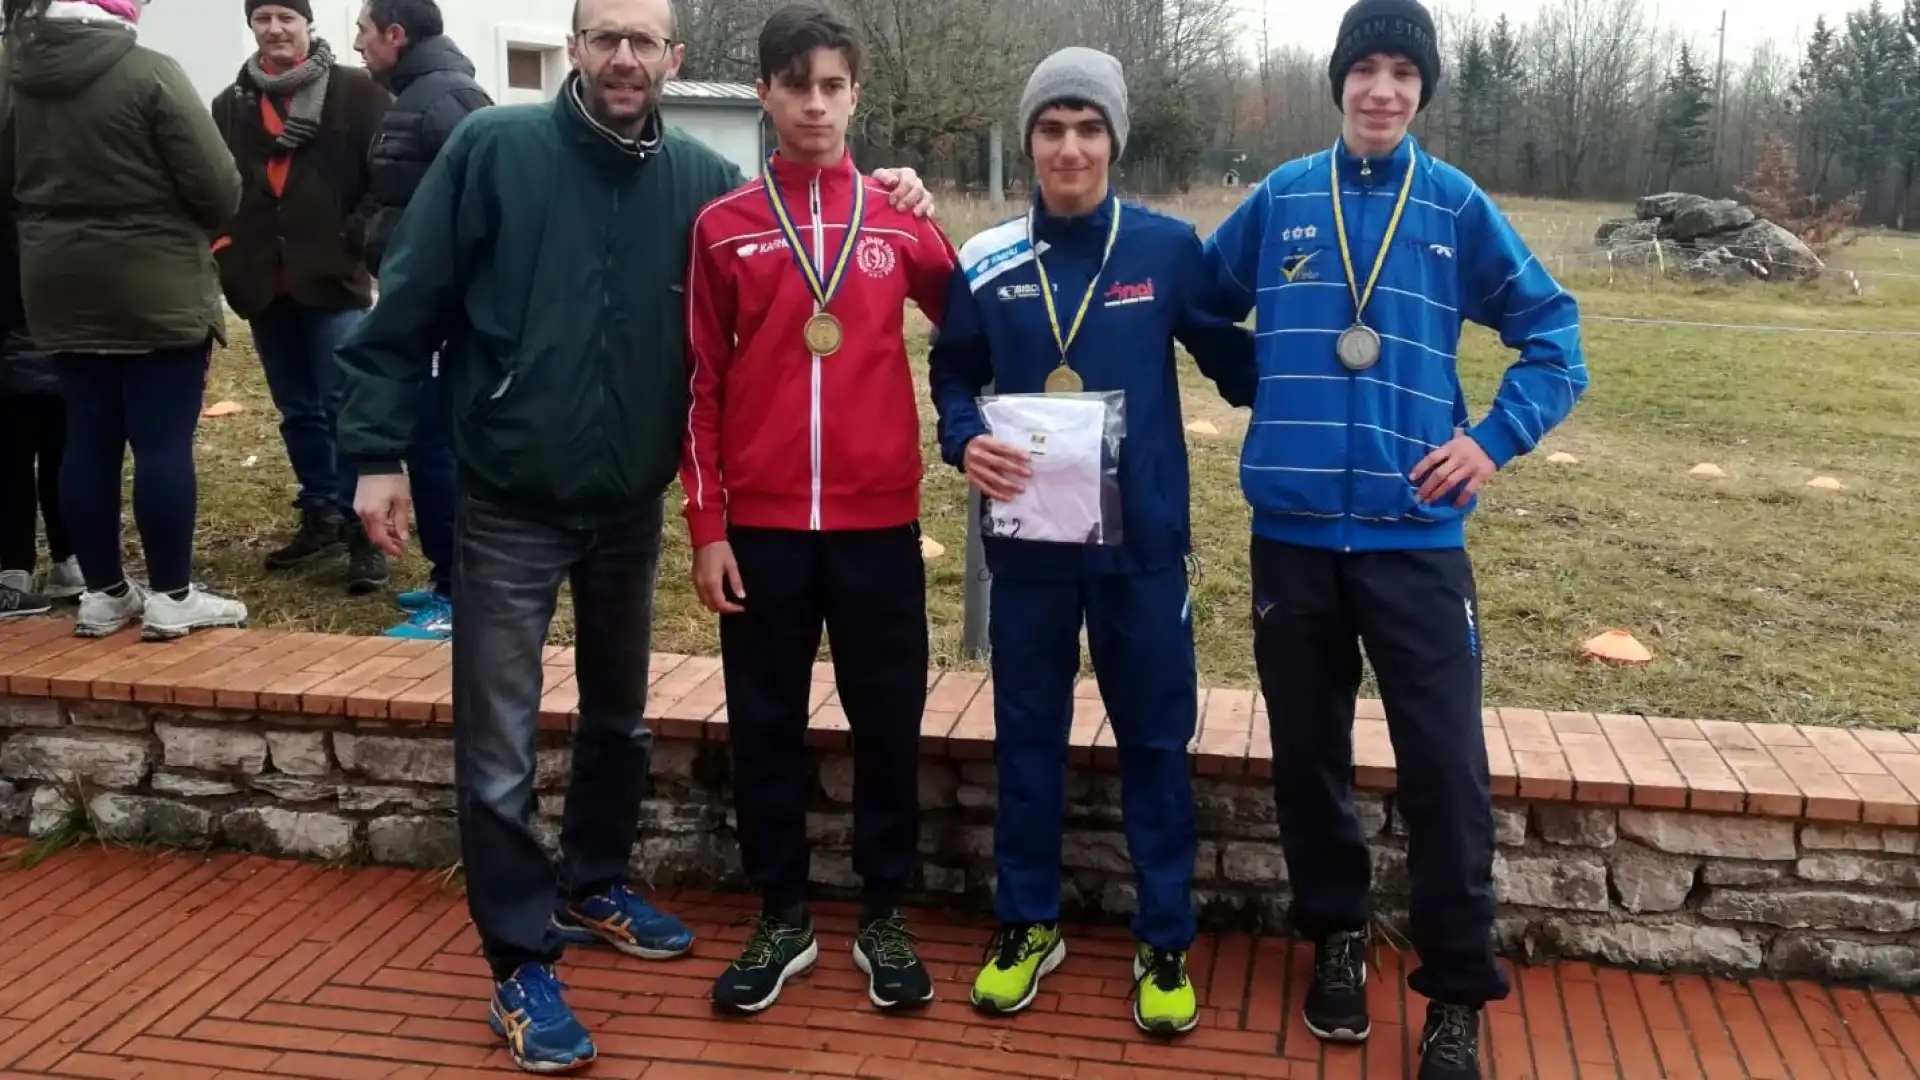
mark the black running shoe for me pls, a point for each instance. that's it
(775, 953)
(1336, 1008)
(17, 598)
(1450, 1045)
(896, 979)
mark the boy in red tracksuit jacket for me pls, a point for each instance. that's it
(802, 472)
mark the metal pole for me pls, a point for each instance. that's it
(974, 597)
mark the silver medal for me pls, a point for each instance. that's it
(1358, 347)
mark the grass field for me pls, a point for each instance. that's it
(1761, 599)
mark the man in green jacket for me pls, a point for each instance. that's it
(544, 254)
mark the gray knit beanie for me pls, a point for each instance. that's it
(1077, 74)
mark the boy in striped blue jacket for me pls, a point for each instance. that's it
(1361, 466)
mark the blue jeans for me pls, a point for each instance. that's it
(434, 479)
(510, 569)
(296, 344)
(150, 402)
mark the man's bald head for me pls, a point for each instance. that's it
(673, 16)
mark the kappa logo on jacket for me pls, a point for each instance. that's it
(753, 249)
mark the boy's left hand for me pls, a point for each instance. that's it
(906, 191)
(1461, 461)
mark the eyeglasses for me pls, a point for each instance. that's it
(645, 46)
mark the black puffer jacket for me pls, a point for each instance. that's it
(436, 91)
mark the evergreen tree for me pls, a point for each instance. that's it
(1870, 66)
(1815, 100)
(1505, 86)
(1473, 99)
(1684, 136)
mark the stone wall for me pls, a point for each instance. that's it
(1663, 890)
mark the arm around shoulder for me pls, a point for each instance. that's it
(1223, 349)
(1506, 289)
(1230, 258)
(931, 265)
(959, 367)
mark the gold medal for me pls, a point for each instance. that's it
(824, 335)
(1359, 345)
(1064, 380)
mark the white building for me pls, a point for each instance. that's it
(518, 49)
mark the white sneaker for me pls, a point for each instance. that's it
(167, 618)
(64, 580)
(103, 615)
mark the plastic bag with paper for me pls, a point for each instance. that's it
(1073, 446)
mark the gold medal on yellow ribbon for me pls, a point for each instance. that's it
(823, 333)
(1063, 379)
(1359, 344)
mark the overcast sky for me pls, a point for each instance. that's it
(1313, 23)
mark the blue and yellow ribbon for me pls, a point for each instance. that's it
(823, 293)
(1386, 241)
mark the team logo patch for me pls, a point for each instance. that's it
(1299, 233)
(1122, 294)
(876, 257)
(1019, 292)
(1297, 266)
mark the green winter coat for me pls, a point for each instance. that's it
(120, 180)
(548, 256)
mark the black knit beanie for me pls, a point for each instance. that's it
(298, 7)
(1386, 26)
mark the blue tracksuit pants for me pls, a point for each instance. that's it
(1140, 633)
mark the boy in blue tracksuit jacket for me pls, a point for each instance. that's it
(1153, 290)
(1361, 466)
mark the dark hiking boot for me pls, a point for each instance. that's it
(321, 534)
(366, 565)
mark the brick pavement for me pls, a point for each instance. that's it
(123, 964)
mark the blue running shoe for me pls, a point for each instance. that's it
(622, 919)
(433, 622)
(415, 599)
(541, 1032)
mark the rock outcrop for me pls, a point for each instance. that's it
(1707, 238)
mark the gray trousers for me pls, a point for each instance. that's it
(509, 569)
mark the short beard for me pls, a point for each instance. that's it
(626, 128)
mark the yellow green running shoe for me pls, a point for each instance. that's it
(1020, 957)
(1163, 999)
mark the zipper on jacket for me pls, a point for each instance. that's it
(1353, 377)
(813, 434)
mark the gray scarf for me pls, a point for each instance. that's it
(308, 86)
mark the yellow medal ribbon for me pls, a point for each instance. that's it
(823, 293)
(1386, 242)
(1070, 381)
